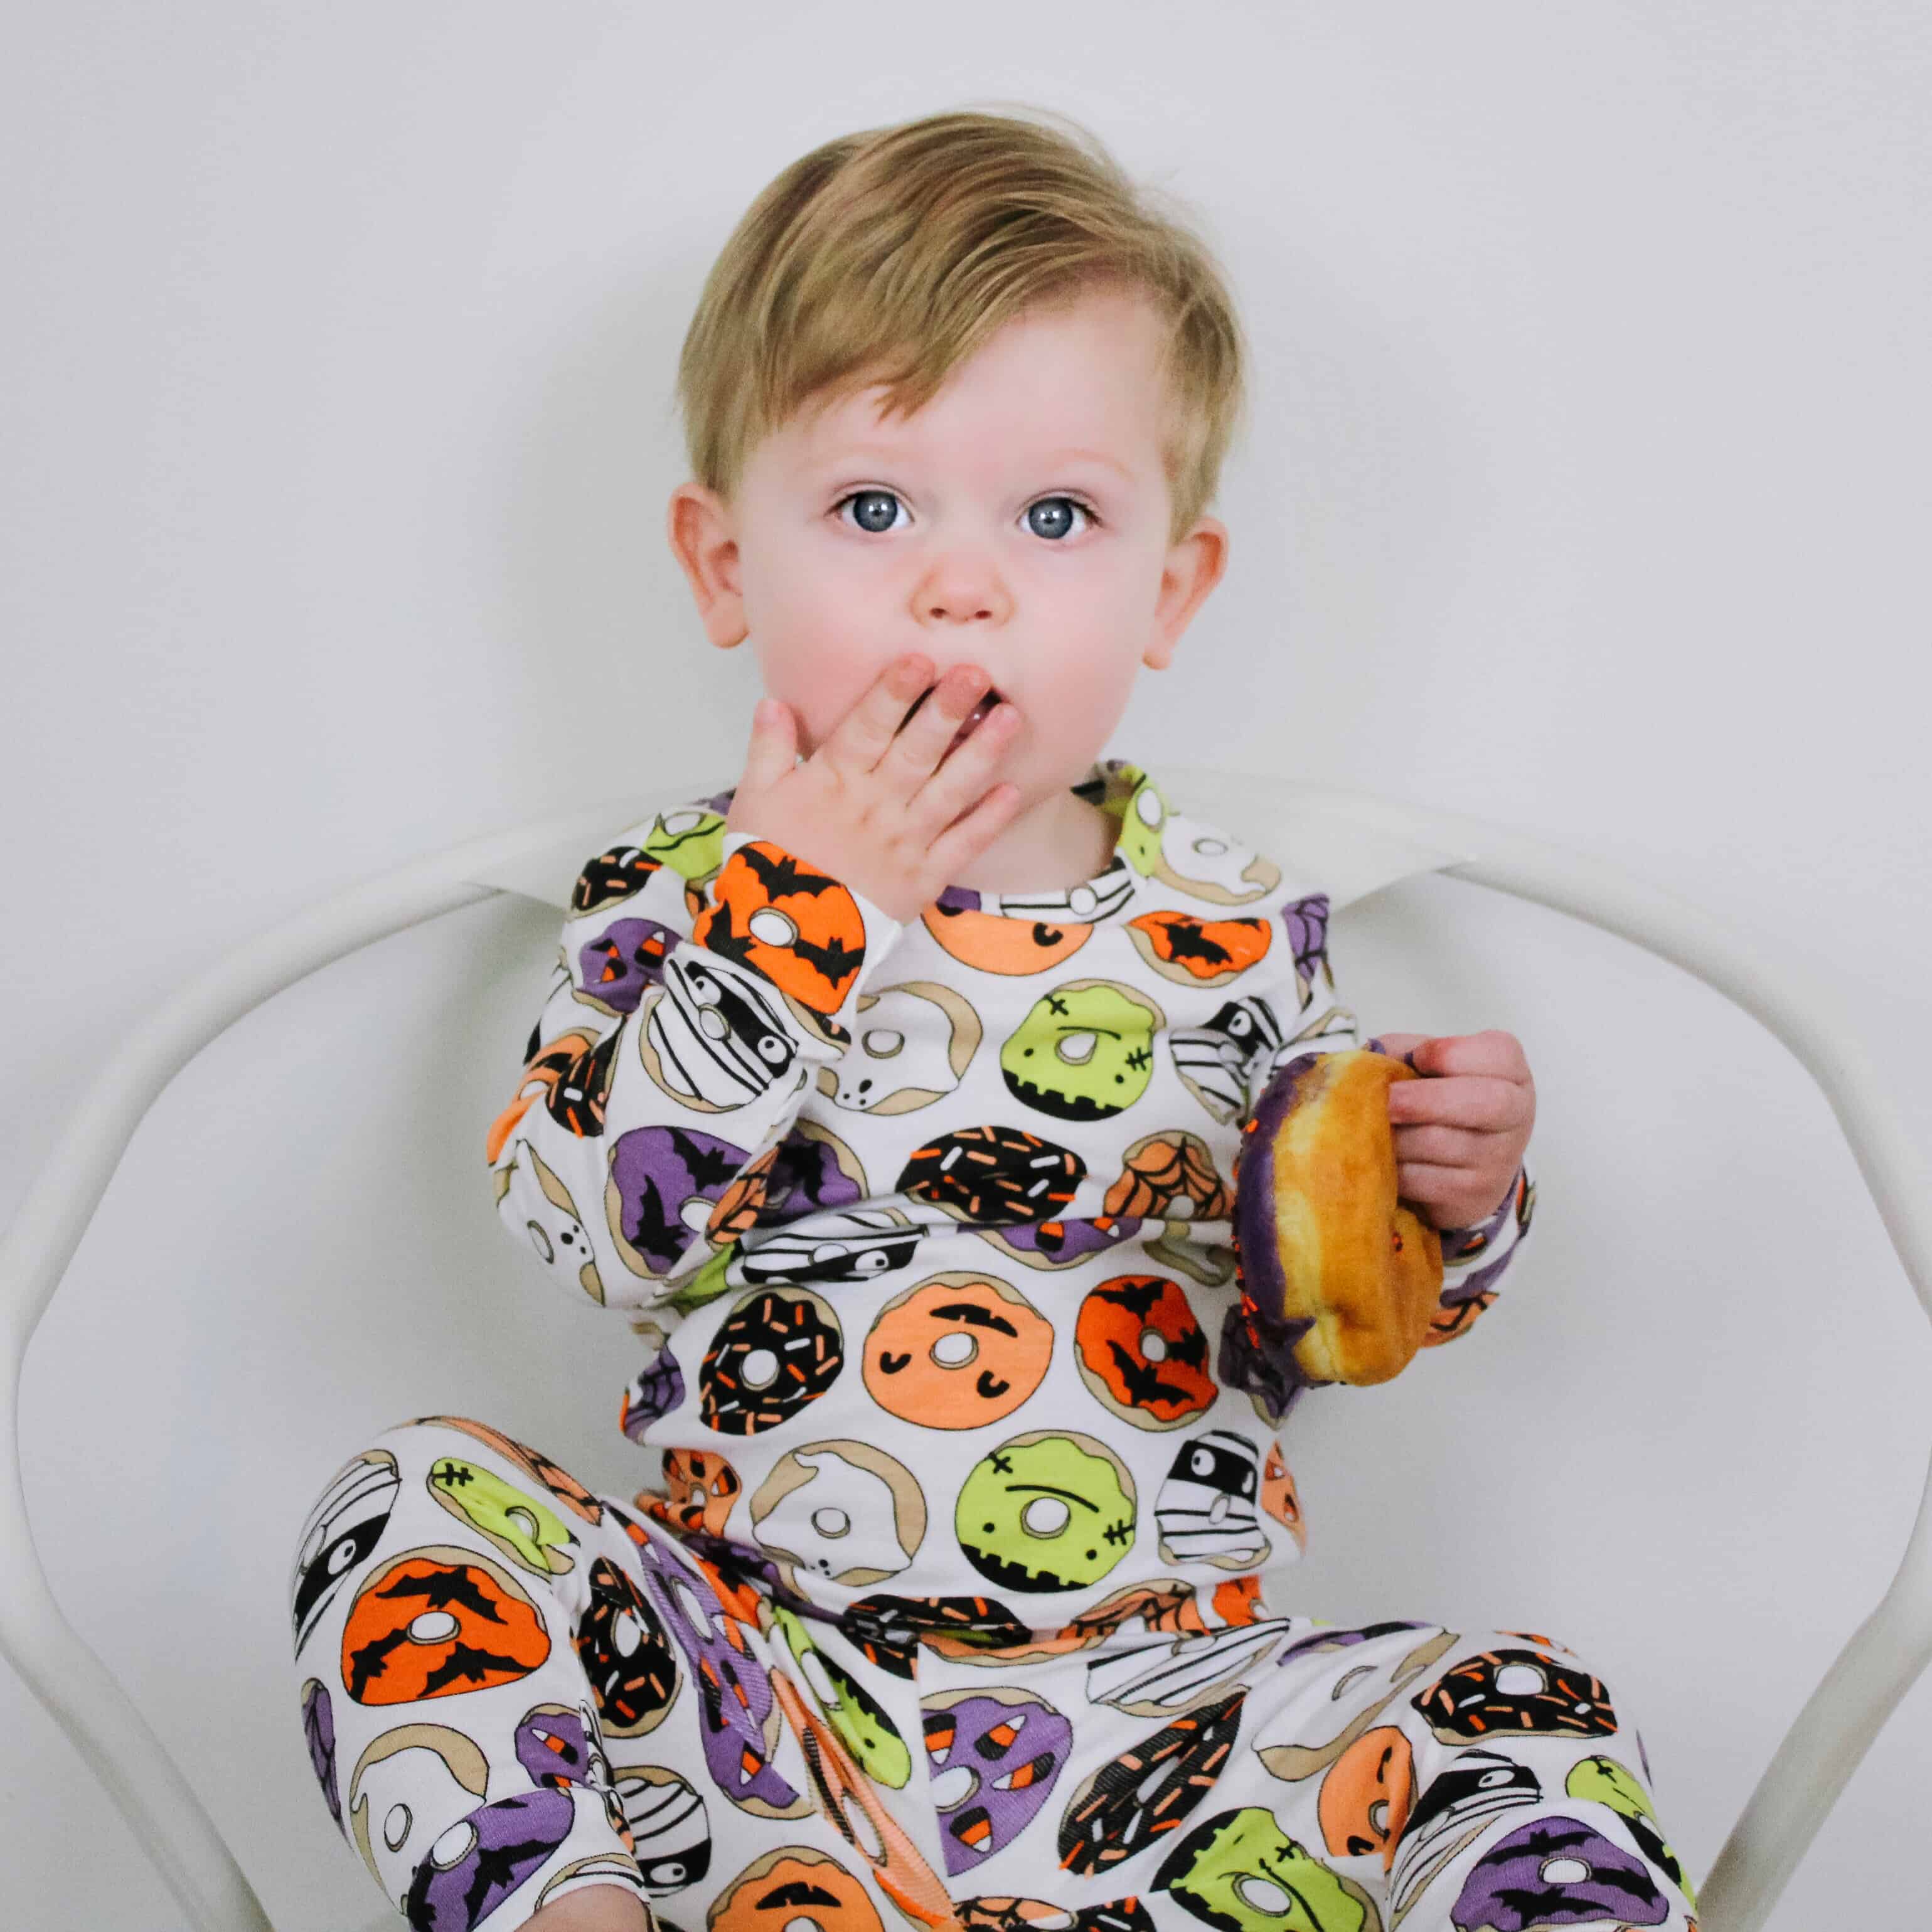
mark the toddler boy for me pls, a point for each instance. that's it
(895, 1094)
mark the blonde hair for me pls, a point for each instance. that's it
(890, 256)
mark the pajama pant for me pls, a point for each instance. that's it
(513, 1689)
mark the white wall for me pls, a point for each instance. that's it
(1586, 492)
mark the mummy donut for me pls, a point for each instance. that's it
(1046, 1511)
(1241, 1872)
(995, 1756)
(1607, 1782)
(690, 840)
(615, 970)
(1455, 1808)
(1198, 861)
(1168, 1680)
(779, 1349)
(775, 1890)
(1205, 1511)
(956, 1352)
(799, 928)
(852, 1245)
(318, 1730)
(482, 1859)
(715, 1036)
(841, 1510)
(663, 1184)
(1170, 1176)
(990, 943)
(1217, 1060)
(911, 1046)
(1515, 1693)
(670, 1836)
(1146, 1791)
(1556, 1871)
(1142, 1353)
(346, 1524)
(621, 873)
(997, 1175)
(436, 1621)
(530, 1194)
(407, 1783)
(527, 1533)
(1057, 1243)
(1199, 952)
(1084, 1051)
(626, 1655)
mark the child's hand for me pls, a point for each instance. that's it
(880, 804)
(1460, 1131)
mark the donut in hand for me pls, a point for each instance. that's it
(1319, 1232)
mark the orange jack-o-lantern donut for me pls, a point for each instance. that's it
(992, 942)
(1141, 1351)
(1367, 1795)
(700, 1488)
(1278, 1496)
(437, 1621)
(957, 1352)
(771, 1892)
(801, 929)
(1198, 952)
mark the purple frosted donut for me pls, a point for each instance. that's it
(655, 1390)
(658, 1177)
(318, 1727)
(1557, 1871)
(626, 957)
(625, 1653)
(483, 1857)
(1307, 922)
(739, 1715)
(552, 1746)
(1060, 1244)
(995, 1756)
(807, 1174)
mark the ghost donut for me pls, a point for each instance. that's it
(1321, 1237)
(779, 1349)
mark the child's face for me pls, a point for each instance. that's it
(854, 539)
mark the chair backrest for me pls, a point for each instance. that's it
(1355, 844)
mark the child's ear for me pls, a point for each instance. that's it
(1194, 566)
(703, 534)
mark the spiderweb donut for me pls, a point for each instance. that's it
(1321, 1237)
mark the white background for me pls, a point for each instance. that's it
(1585, 491)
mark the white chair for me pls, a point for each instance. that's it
(1355, 844)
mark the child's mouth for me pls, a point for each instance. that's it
(974, 719)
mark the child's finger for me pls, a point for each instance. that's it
(1442, 1147)
(865, 734)
(773, 749)
(957, 847)
(1461, 1100)
(923, 740)
(967, 773)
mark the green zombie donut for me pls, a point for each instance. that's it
(1610, 1783)
(1046, 1511)
(1241, 1872)
(690, 841)
(848, 1707)
(516, 1523)
(1141, 827)
(1085, 1051)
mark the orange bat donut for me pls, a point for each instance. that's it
(1320, 1234)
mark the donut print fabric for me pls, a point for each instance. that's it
(961, 1597)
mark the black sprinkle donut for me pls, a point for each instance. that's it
(997, 1177)
(626, 1654)
(1124, 1806)
(777, 1349)
(1519, 1692)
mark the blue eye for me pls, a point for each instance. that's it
(1058, 519)
(876, 511)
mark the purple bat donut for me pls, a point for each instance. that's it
(625, 958)
(1307, 922)
(995, 1756)
(659, 1173)
(318, 1727)
(735, 1704)
(483, 1857)
(655, 1390)
(1557, 1871)
(958, 899)
(806, 1175)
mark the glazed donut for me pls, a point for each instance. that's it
(779, 1349)
(1319, 1234)
(1142, 1353)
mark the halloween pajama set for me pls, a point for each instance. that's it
(959, 1601)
